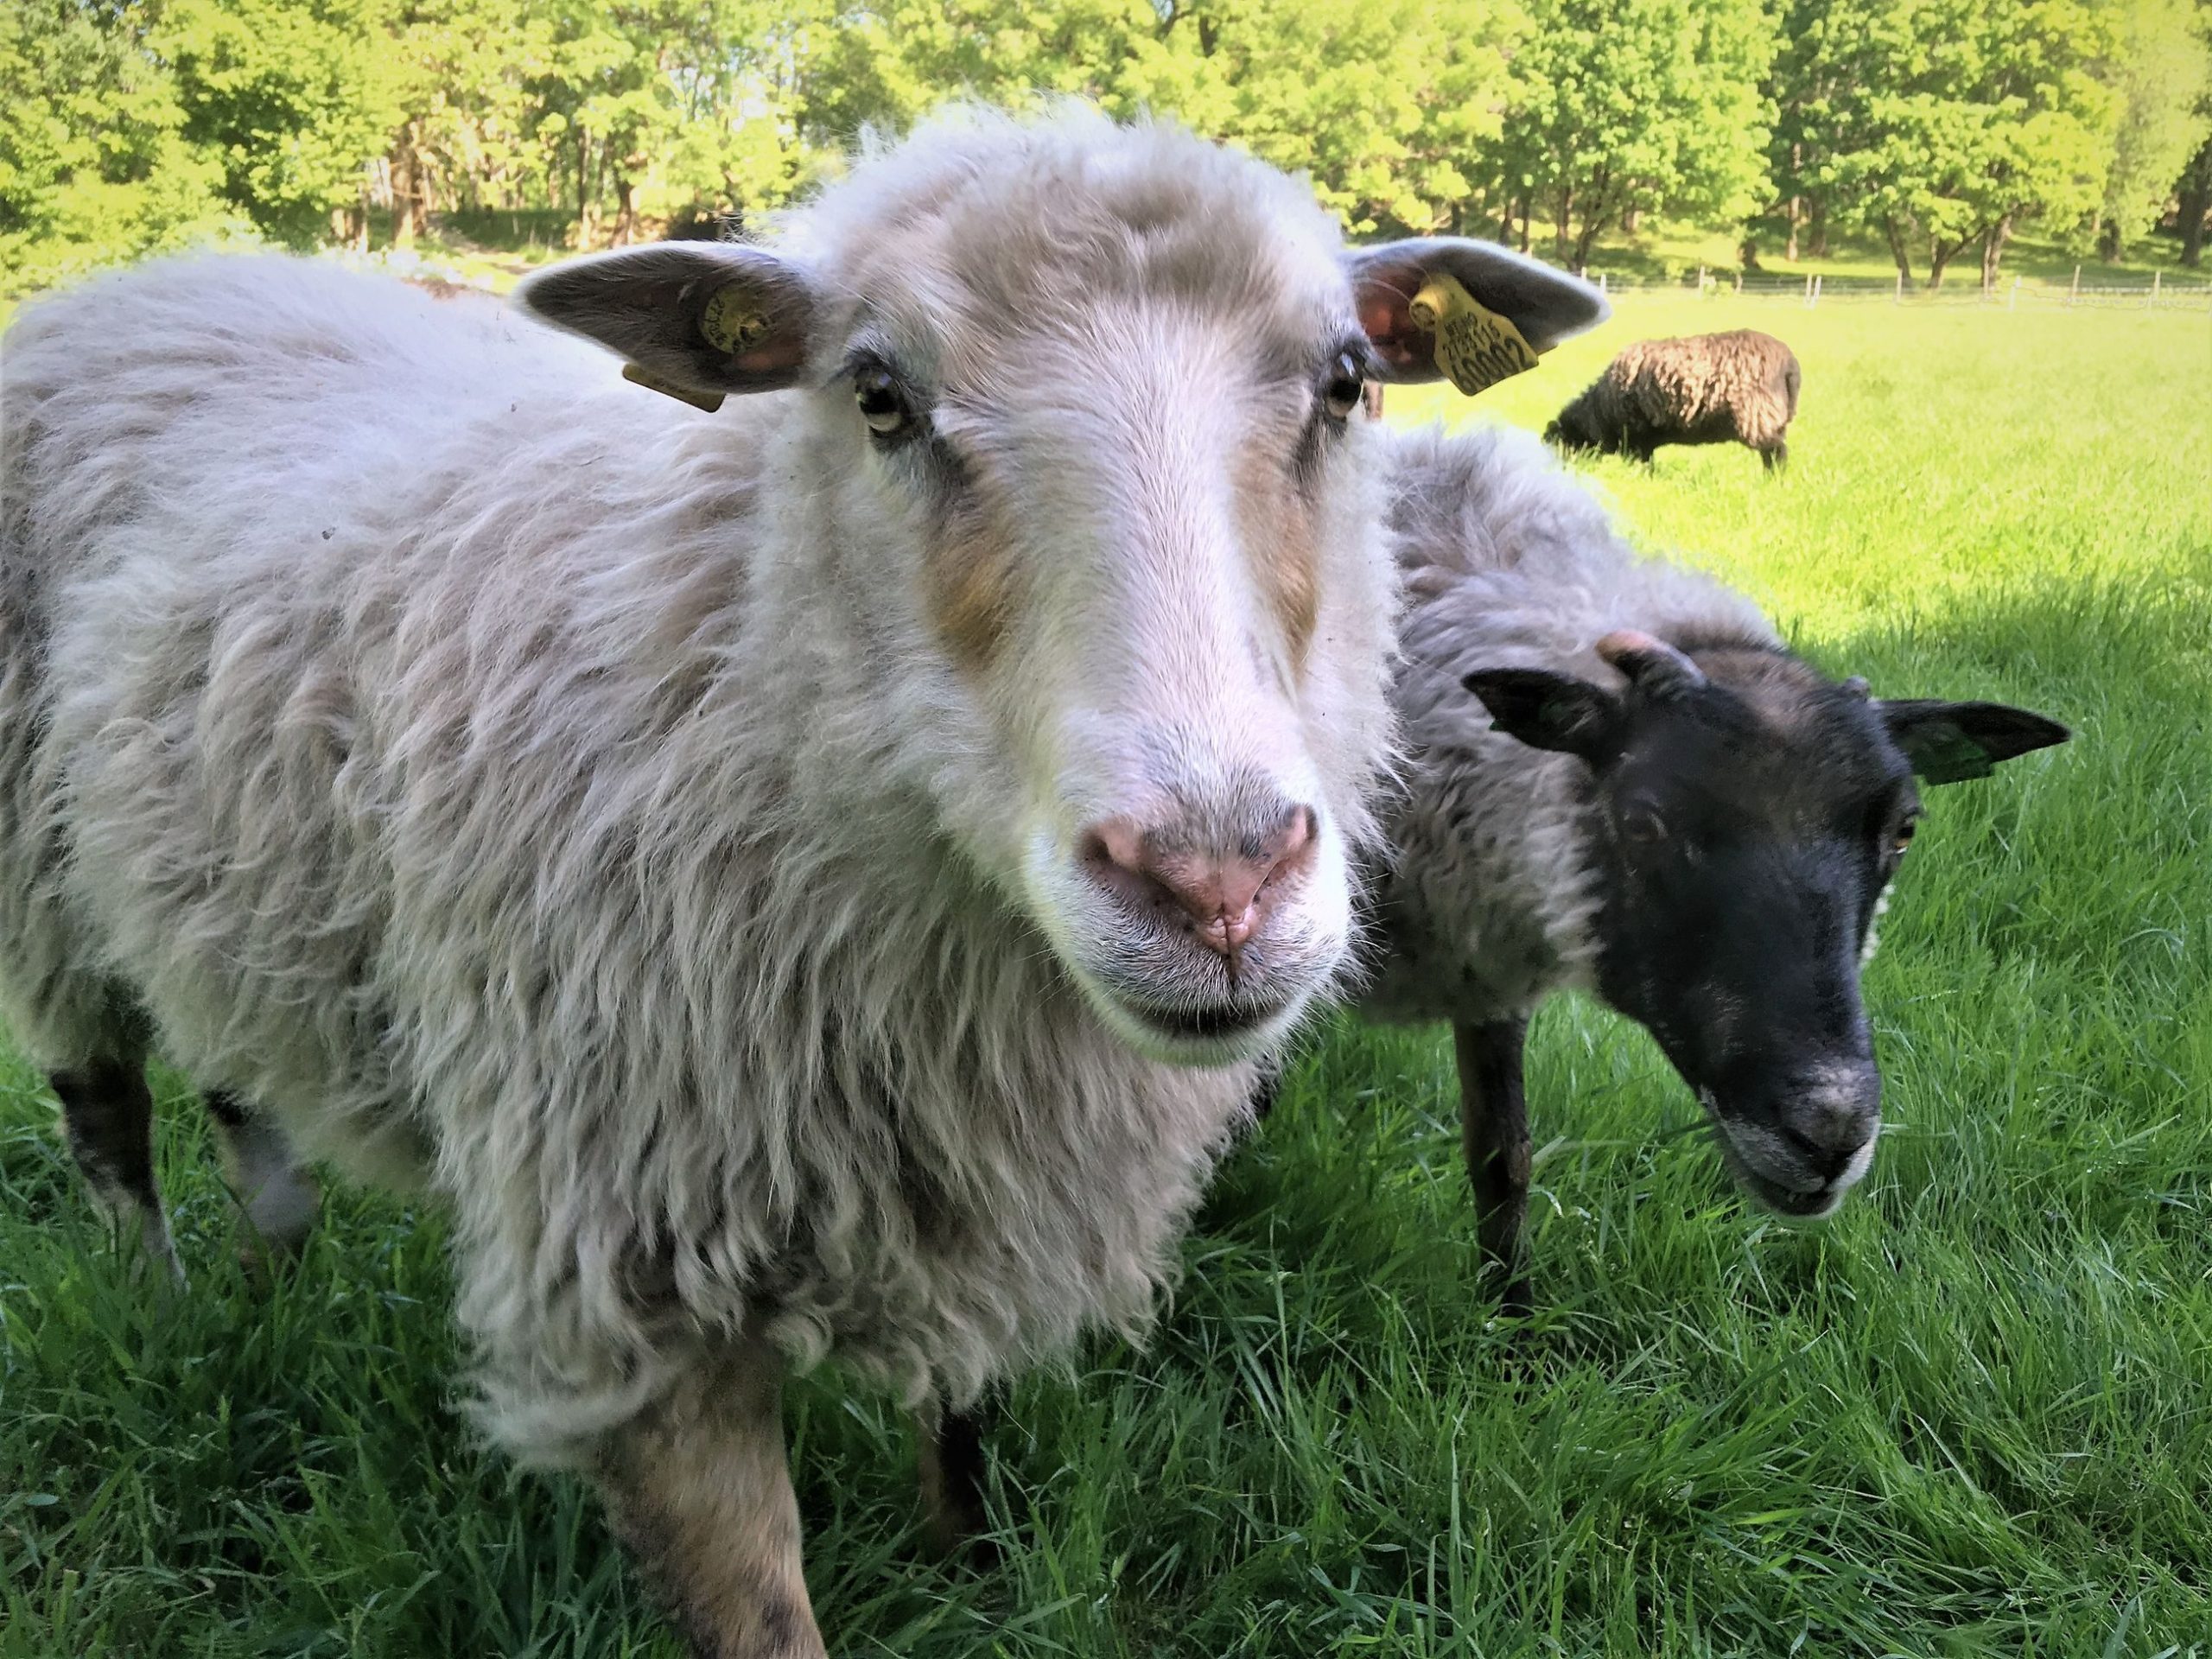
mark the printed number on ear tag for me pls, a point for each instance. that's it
(730, 323)
(709, 400)
(1475, 346)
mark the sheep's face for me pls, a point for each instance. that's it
(1574, 428)
(1748, 816)
(1081, 431)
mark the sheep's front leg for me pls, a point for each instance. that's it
(1494, 1129)
(700, 1491)
(109, 1114)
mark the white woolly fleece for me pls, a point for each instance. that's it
(516, 782)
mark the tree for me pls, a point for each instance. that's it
(2194, 193)
(1651, 105)
(94, 162)
(1386, 104)
(2162, 73)
(294, 100)
(460, 70)
(1958, 119)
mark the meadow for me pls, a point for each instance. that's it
(1971, 1414)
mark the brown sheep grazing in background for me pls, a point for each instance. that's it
(1739, 387)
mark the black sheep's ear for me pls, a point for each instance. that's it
(1948, 742)
(1550, 711)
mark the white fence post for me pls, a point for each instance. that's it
(1816, 290)
(1899, 299)
(2074, 294)
(1740, 282)
(2152, 304)
(1808, 288)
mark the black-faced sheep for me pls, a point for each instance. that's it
(1738, 387)
(1619, 779)
(815, 880)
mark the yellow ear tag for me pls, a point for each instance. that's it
(709, 400)
(1475, 346)
(730, 323)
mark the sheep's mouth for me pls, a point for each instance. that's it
(1809, 1204)
(1208, 1024)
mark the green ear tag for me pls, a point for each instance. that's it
(732, 322)
(1475, 346)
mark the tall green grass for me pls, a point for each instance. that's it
(1973, 1414)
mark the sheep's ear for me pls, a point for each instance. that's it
(694, 318)
(1431, 307)
(1550, 711)
(1948, 742)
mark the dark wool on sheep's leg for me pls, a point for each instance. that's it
(698, 1488)
(109, 1113)
(1494, 1129)
(951, 1471)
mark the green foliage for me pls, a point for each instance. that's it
(1385, 103)
(1953, 120)
(95, 164)
(1627, 106)
(1938, 125)
(293, 99)
(2163, 72)
(1965, 1417)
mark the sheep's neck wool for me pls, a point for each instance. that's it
(1475, 346)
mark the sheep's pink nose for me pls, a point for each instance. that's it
(1225, 896)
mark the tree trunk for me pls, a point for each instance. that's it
(1790, 248)
(1898, 248)
(1940, 255)
(1817, 219)
(1992, 249)
(1524, 223)
(587, 229)
(1631, 220)
(406, 190)
(1505, 223)
(1563, 230)
(625, 215)
(2195, 206)
(1593, 227)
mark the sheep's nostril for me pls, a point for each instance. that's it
(1220, 896)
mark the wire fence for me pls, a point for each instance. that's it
(2152, 293)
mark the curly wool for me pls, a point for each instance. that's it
(499, 775)
(1739, 387)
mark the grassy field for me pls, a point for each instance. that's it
(1973, 1414)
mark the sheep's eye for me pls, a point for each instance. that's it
(882, 405)
(1340, 395)
(1903, 839)
(1643, 824)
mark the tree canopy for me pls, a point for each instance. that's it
(1941, 127)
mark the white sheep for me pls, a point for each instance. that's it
(1619, 779)
(811, 880)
